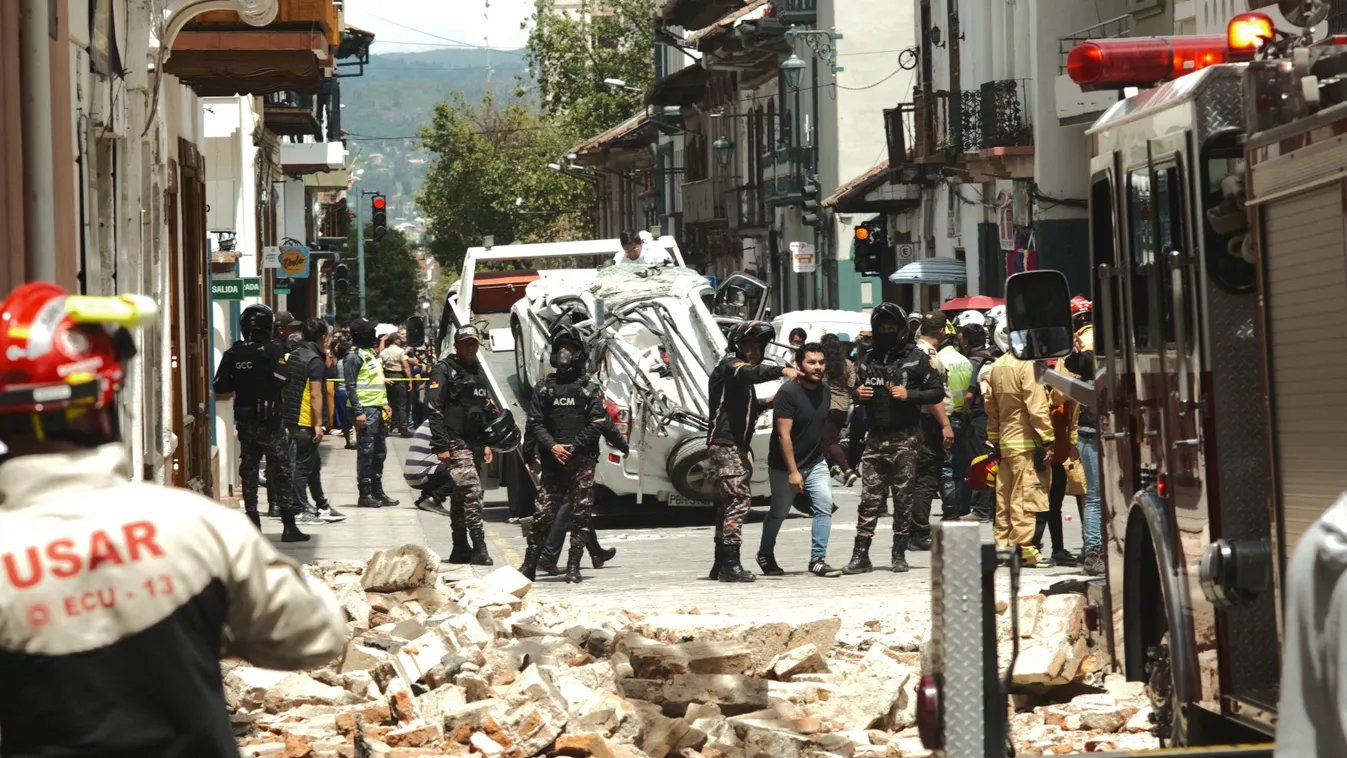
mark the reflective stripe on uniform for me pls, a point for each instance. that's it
(371, 392)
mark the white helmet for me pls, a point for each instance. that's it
(997, 313)
(967, 318)
(1001, 333)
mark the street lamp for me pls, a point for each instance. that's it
(618, 84)
(792, 69)
(724, 148)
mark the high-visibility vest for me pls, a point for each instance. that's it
(370, 389)
(958, 376)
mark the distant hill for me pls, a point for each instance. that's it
(397, 94)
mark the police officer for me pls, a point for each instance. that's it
(458, 402)
(367, 398)
(734, 413)
(566, 418)
(252, 372)
(896, 379)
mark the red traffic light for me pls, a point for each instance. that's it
(379, 202)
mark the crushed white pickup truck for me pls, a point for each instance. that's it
(653, 341)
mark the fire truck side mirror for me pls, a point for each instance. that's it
(416, 331)
(1038, 314)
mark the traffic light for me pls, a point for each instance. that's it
(380, 217)
(871, 240)
(339, 279)
(813, 212)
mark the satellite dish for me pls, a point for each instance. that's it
(1303, 13)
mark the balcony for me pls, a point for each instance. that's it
(994, 116)
(783, 175)
(292, 114)
(218, 54)
(796, 12)
(334, 222)
(299, 158)
(1075, 106)
(704, 203)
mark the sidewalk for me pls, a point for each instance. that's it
(367, 530)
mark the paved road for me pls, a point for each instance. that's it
(662, 560)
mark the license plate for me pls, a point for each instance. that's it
(678, 501)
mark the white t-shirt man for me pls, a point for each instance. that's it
(651, 253)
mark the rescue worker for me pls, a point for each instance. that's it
(955, 495)
(894, 381)
(458, 401)
(565, 419)
(252, 373)
(176, 582)
(1019, 426)
(936, 432)
(367, 395)
(734, 410)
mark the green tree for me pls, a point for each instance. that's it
(392, 281)
(569, 56)
(489, 176)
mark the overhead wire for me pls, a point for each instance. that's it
(460, 43)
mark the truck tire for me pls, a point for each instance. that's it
(521, 369)
(520, 491)
(689, 468)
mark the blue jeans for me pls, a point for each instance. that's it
(819, 489)
(1092, 519)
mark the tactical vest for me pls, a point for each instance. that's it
(566, 415)
(879, 377)
(465, 403)
(297, 384)
(370, 389)
(257, 391)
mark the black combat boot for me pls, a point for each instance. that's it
(597, 554)
(480, 556)
(730, 570)
(378, 491)
(291, 532)
(899, 554)
(253, 516)
(860, 557)
(715, 567)
(530, 567)
(767, 562)
(573, 564)
(920, 542)
(547, 561)
(461, 552)
(367, 497)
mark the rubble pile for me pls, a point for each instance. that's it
(439, 667)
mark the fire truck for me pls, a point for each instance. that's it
(1217, 203)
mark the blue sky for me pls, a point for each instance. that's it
(405, 26)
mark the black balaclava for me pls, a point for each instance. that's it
(569, 359)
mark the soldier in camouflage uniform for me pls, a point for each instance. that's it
(734, 413)
(458, 402)
(251, 371)
(894, 381)
(565, 420)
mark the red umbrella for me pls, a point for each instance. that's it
(973, 303)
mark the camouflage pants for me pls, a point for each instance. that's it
(889, 464)
(560, 485)
(258, 439)
(465, 498)
(731, 468)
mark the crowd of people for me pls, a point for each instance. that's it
(931, 407)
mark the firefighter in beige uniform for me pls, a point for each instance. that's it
(118, 598)
(1019, 425)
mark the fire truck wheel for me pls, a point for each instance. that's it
(1174, 725)
(521, 369)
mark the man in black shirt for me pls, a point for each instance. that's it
(734, 414)
(796, 464)
(306, 373)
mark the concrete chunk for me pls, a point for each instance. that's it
(1062, 616)
(507, 579)
(732, 692)
(698, 657)
(869, 694)
(402, 568)
(805, 659)
(536, 711)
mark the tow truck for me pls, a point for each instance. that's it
(1216, 210)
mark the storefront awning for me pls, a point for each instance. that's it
(932, 271)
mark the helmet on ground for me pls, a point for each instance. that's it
(64, 356)
(982, 472)
(967, 318)
(749, 331)
(257, 322)
(502, 433)
(567, 333)
(1081, 307)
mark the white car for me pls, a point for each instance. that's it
(653, 342)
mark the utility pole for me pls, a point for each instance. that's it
(360, 249)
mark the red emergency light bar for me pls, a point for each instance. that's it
(1141, 61)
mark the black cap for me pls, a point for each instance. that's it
(286, 318)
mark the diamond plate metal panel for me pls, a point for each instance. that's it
(1218, 103)
(956, 633)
